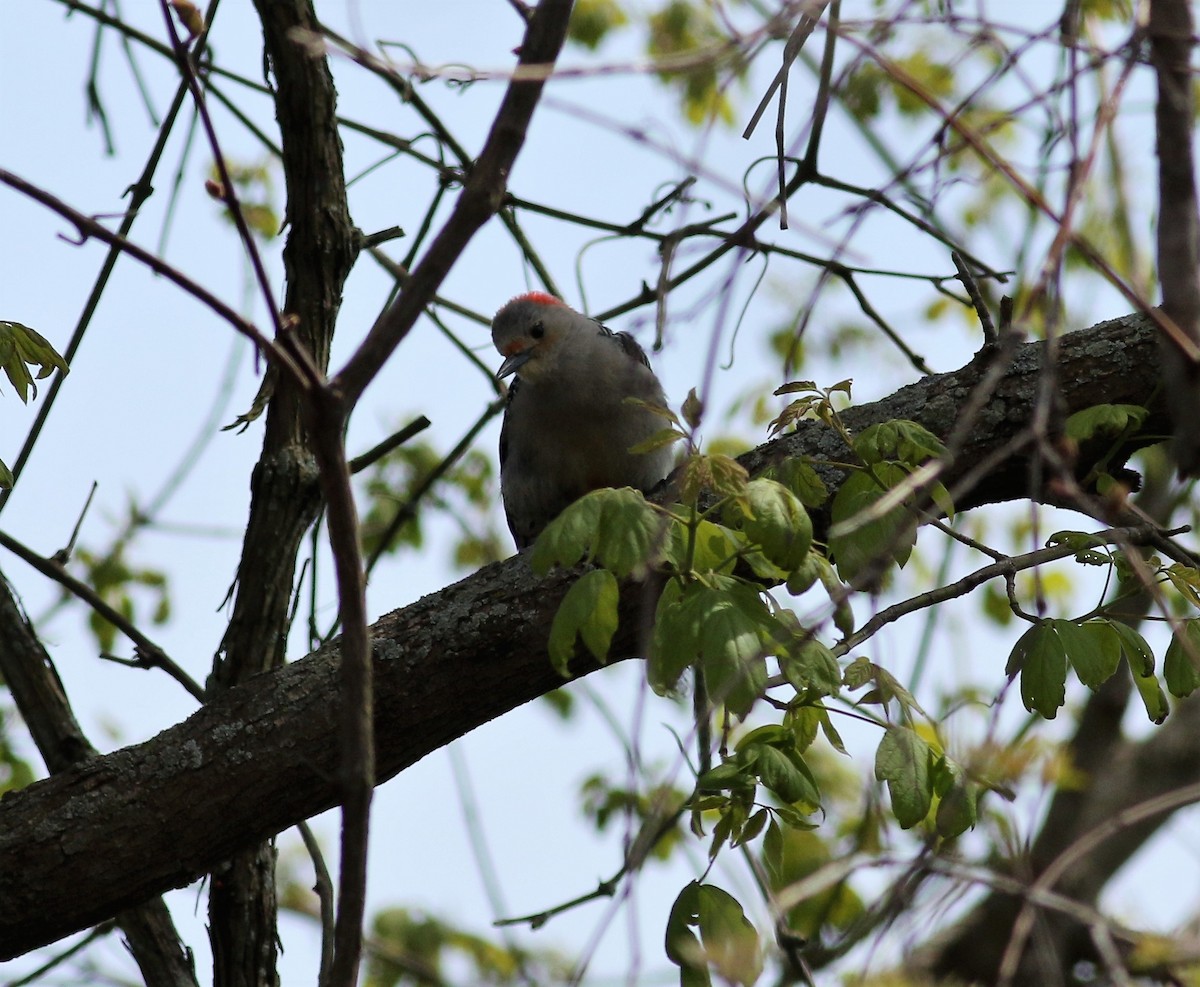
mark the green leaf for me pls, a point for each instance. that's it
(863, 671)
(901, 440)
(801, 580)
(22, 347)
(723, 475)
(903, 760)
(754, 826)
(714, 550)
(727, 941)
(1089, 549)
(763, 568)
(790, 854)
(958, 809)
(675, 640)
(1186, 580)
(658, 410)
(6, 477)
(1181, 664)
(726, 776)
(731, 814)
(1042, 661)
(736, 629)
(692, 409)
(1093, 649)
(799, 476)
(592, 21)
(1153, 697)
(1137, 652)
(861, 92)
(786, 774)
(933, 76)
(726, 627)
(630, 533)
(588, 610)
(681, 28)
(617, 528)
(942, 499)
(890, 537)
(858, 673)
(773, 734)
(796, 387)
(774, 518)
(663, 437)
(1109, 421)
(730, 942)
(831, 734)
(569, 537)
(807, 664)
(682, 945)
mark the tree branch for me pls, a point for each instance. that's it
(30, 676)
(78, 847)
(1170, 32)
(285, 496)
(481, 198)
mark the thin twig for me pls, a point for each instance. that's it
(139, 191)
(1030, 195)
(1135, 536)
(484, 862)
(1048, 878)
(977, 299)
(323, 886)
(809, 18)
(393, 441)
(407, 511)
(356, 773)
(63, 555)
(89, 227)
(150, 654)
(478, 201)
(183, 59)
(98, 932)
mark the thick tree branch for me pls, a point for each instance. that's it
(76, 848)
(285, 497)
(29, 674)
(1170, 31)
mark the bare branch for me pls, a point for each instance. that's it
(1171, 42)
(30, 676)
(479, 200)
(89, 227)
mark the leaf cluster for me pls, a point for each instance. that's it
(713, 552)
(20, 349)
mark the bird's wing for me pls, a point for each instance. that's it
(628, 345)
(512, 389)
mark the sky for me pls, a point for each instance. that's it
(156, 370)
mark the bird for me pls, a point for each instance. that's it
(567, 427)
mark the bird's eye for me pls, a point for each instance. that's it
(538, 330)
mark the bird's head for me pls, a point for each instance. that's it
(528, 331)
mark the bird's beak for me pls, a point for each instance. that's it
(513, 363)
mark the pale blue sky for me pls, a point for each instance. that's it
(153, 362)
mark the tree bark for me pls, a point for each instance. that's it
(320, 250)
(1178, 236)
(78, 847)
(29, 674)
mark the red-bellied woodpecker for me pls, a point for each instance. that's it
(568, 428)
